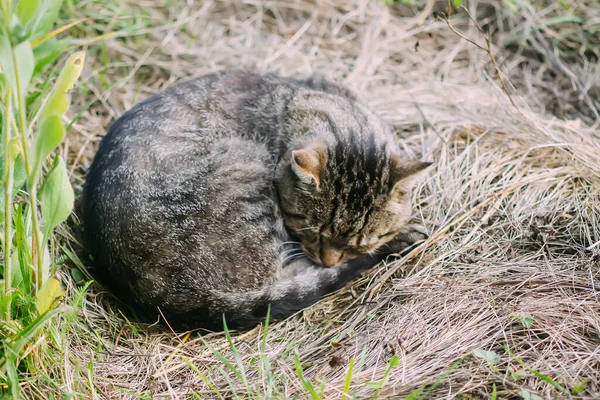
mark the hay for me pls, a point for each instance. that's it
(512, 206)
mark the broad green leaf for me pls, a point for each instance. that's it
(77, 276)
(26, 10)
(517, 374)
(25, 63)
(526, 395)
(490, 356)
(6, 61)
(526, 320)
(47, 53)
(48, 295)
(49, 136)
(19, 174)
(457, 3)
(12, 376)
(17, 272)
(46, 263)
(58, 101)
(46, 15)
(56, 197)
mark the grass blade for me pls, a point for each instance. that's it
(305, 383)
(55, 32)
(348, 380)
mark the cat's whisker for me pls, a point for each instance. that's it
(312, 228)
(290, 252)
(289, 242)
(292, 257)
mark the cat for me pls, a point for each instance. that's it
(234, 191)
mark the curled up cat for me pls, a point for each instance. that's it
(235, 191)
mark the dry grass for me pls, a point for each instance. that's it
(513, 205)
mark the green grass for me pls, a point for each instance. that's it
(36, 194)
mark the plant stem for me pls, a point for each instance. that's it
(8, 184)
(6, 12)
(35, 247)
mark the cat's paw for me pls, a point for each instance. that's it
(413, 235)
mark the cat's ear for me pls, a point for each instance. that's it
(405, 173)
(308, 162)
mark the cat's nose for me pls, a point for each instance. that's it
(330, 257)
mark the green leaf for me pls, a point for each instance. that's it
(538, 374)
(526, 320)
(6, 63)
(386, 375)
(11, 373)
(17, 272)
(580, 387)
(46, 15)
(25, 63)
(457, 3)
(524, 393)
(308, 386)
(14, 346)
(56, 197)
(415, 394)
(58, 101)
(561, 19)
(517, 374)
(22, 247)
(348, 380)
(23, 55)
(26, 10)
(3, 83)
(19, 174)
(47, 53)
(48, 295)
(490, 356)
(77, 276)
(49, 136)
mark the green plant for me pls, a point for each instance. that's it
(36, 195)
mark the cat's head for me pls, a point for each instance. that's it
(345, 199)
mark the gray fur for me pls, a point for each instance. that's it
(192, 204)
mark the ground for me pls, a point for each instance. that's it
(500, 301)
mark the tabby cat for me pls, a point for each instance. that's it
(233, 191)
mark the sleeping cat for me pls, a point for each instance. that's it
(233, 191)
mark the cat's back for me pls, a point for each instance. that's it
(175, 172)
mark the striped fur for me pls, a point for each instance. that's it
(230, 192)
